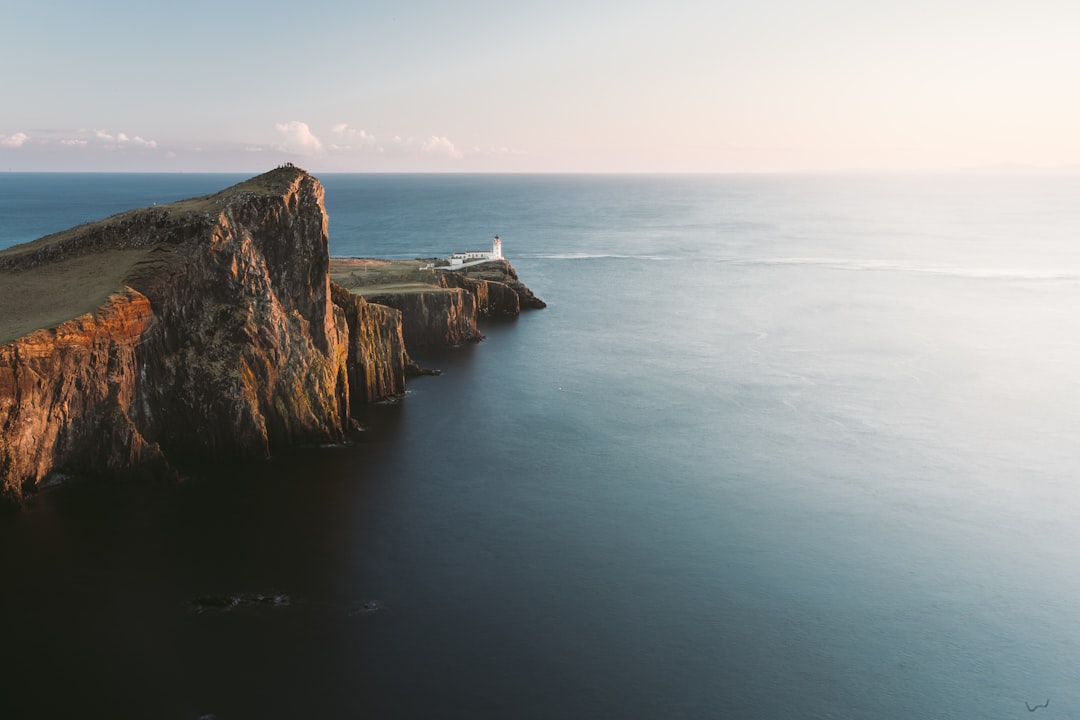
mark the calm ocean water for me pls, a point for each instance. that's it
(780, 447)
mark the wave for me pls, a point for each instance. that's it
(976, 273)
(591, 256)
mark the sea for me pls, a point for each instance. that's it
(780, 446)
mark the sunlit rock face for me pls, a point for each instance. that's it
(209, 330)
(223, 343)
(68, 396)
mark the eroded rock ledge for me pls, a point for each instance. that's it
(196, 332)
(439, 306)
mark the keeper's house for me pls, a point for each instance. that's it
(495, 253)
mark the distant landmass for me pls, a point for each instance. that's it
(217, 328)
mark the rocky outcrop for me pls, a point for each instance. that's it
(438, 307)
(223, 343)
(377, 361)
(435, 316)
(68, 396)
(497, 274)
(248, 352)
(220, 336)
(492, 299)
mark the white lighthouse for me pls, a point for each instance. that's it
(475, 257)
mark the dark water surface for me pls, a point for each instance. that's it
(779, 447)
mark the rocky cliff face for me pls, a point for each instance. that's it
(440, 307)
(214, 333)
(439, 316)
(500, 274)
(224, 342)
(377, 361)
(67, 396)
(247, 348)
(491, 299)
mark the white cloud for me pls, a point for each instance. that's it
(110, 140)
(501, 150)
(440, 144)
(296, 137)
(353, 138)
(14, 141)
(347, 131)
(73, 142)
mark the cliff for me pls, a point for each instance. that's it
(497, 280)
(68, 398)
(438, 306)
(433, 316)
(203, 331)
(217, 338)
(377, 363)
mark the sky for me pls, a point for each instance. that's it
(676, 86)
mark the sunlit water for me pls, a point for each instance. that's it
(779, 447)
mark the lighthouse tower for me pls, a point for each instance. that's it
(496, 249)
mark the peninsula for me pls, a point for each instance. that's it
(216, 328)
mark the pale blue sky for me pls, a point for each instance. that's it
(591, 85)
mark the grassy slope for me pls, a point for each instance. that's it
(366, 276)
(50, 293)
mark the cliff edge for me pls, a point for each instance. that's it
(440, 305)
(207, 330)
(172, 336)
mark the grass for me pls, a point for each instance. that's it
(367, 276)
(48, 295)
(80, 280)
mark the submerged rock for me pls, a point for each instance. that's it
(368, 608)
(225, 603)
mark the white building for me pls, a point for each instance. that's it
(460, 258)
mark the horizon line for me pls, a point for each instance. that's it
(1000, 169)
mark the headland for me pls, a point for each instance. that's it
(213, 329)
